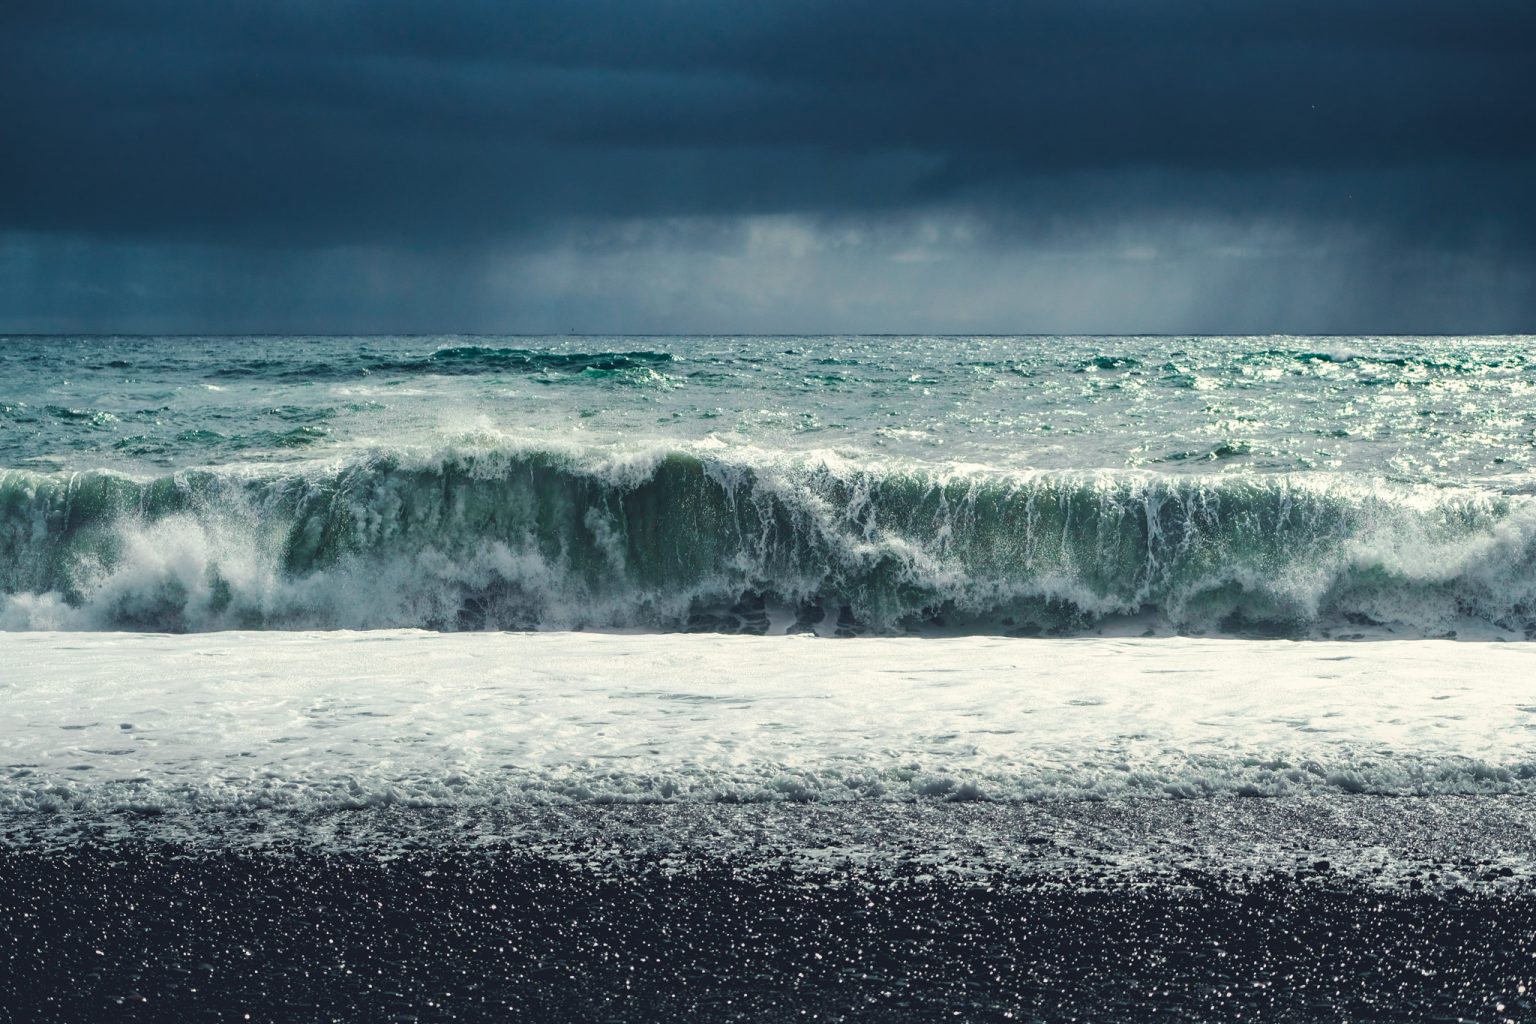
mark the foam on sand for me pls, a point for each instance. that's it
(326, 721)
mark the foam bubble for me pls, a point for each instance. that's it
(314, 722)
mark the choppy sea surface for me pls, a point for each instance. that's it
(1059, 485)
(768, 679)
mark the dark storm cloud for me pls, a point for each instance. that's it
(330, 122)
(414, 128)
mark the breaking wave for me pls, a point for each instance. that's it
(733, 540)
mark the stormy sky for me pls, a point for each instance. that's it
(633, 166)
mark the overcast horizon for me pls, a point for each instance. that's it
(1109, 167)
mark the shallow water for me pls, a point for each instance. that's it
(326, 721)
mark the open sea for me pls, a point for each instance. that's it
(768, 678)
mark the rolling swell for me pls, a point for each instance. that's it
(455, 360)
(671, 540)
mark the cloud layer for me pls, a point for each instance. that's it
(659, 165)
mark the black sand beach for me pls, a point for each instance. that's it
(1423, 909)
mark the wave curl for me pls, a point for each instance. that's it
(520, 538)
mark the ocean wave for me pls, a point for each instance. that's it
(454, 360)
(742, 540)
(477, 358)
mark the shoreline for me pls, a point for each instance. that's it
(314, 722)
(587, 827)
(1441, 844)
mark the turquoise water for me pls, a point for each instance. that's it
(1059, 485)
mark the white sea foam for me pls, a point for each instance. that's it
(317, 721)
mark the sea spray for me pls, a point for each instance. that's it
(523, 537)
